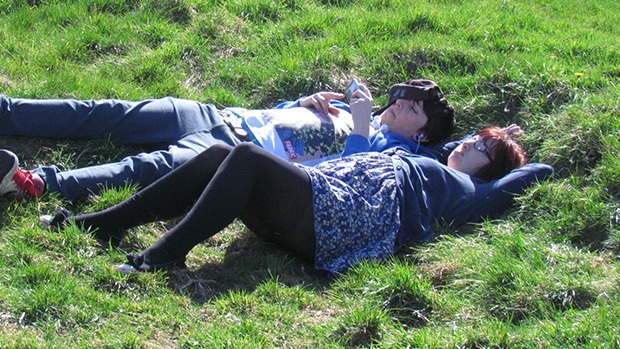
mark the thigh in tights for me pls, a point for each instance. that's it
(272, 196)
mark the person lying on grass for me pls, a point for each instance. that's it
(337, 213)
(308, 130)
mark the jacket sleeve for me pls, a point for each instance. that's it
(355, 144)
(502, 192)
(287, 104)
(519, 179)
(295, 104)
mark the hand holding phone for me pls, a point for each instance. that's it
(353, 86)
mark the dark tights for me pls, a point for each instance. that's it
(271, 196)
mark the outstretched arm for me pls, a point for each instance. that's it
(504, 190)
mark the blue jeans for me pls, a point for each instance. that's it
(187, 127)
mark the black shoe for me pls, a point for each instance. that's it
(59, 219)
(135, 263)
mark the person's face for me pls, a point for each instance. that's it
(405, 117)
(471, 156)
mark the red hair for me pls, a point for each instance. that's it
(506, 153)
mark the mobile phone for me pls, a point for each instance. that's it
(353, 86)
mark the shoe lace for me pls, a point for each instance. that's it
(26, 182)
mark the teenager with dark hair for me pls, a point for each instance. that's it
(308, 130)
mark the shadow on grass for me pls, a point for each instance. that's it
(248, 263)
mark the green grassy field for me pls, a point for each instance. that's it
(545, 275)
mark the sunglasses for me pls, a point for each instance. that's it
(481, 147)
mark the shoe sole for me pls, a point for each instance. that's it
(145, 268)
(8, 167)
(46, 220)
(127, 269)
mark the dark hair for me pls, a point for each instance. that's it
(441, 123)
(440, 113)
(506, 153)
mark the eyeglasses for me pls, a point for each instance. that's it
(481, 147)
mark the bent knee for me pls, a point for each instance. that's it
(247, 152)
(217, 150)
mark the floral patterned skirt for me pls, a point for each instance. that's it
(356, 210)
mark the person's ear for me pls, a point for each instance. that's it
(420, 137)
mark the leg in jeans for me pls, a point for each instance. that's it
(151, 121)
(187, 126)
(142, 169)
(272, 196)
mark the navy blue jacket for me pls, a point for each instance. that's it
(431, 192)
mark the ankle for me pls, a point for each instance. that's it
(158, 256)
(139, 263)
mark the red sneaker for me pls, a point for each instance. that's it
(16, 181)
